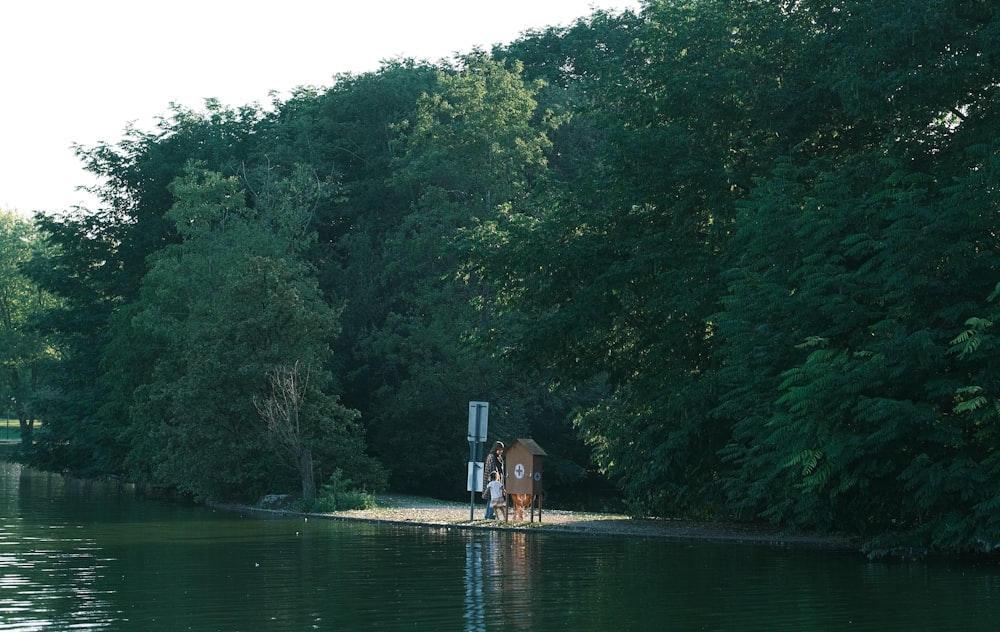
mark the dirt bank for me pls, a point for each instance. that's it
(418, 511)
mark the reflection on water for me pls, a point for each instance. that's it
(94, 557)
(517, 584)
(475, 609)
(497, 582)
(49, 569)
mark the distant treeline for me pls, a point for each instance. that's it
(737, 259)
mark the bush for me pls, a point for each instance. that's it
(354, 500)
(338, 494)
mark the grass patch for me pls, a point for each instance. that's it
(10, 429)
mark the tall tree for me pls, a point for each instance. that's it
(473, 145)
(616, 280)
(860, 252)
(98, 259)
(24, 351)
(220, 311)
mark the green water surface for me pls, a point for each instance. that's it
(92, 556)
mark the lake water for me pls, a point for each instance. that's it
(90, 556)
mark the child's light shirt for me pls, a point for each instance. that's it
(496, 489)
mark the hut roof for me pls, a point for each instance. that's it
(530, 446)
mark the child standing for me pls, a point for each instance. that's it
(494, 463)
(498, 495)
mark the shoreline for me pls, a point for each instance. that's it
(430, 513)
(418, 511)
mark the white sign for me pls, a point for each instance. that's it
(519, 470)
(479, 413)
(475, 477)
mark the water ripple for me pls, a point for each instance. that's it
(81, 556)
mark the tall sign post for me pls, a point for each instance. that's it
(479, 413)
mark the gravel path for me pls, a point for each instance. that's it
(399, 509)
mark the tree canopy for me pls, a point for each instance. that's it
(26, 355)
(731, 259)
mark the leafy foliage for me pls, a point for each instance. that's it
(26, 354)
(730, 255)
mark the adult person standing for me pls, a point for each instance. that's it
(494, 463)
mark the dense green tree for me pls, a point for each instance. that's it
(859, 253)
(80, 269)
(350, 130)
(620, 274)
(24, 352)
(473, 145)
(747, 243)
(220, 312)
(136, 173)
(97, 261)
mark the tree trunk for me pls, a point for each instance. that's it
(308, 476)
(27, 430)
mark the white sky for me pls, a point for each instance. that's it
(79, 71)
